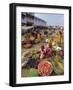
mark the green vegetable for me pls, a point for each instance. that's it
(36, 57)
(58, 65)
(57, 48)
(33, 72)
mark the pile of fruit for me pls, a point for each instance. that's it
(45, 68)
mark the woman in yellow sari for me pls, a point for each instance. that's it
(59, 37)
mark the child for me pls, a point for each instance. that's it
(49, 50)
(42, 52)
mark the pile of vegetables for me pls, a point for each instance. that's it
(45, 68)
(58, 65)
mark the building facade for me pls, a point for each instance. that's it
(29, 19)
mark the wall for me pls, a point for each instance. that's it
(4, 45)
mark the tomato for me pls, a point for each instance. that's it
(45, 68)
